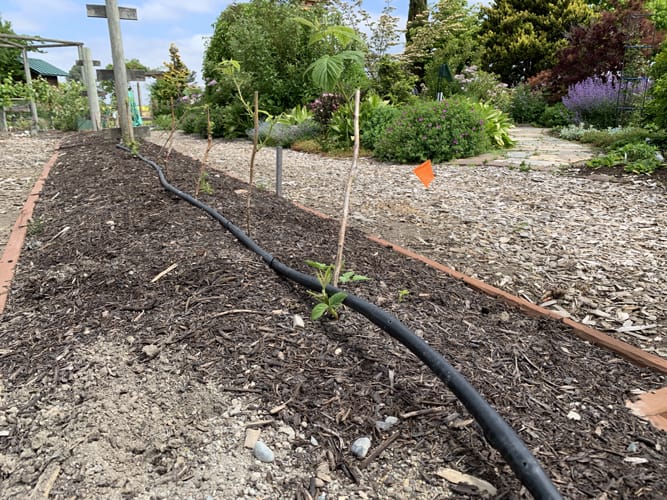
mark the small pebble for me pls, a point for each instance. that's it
(387, 424)
(263, 452)
(360, 447)
(150, 350)
(298, 321)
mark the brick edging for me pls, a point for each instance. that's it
(10, 256)
(629, 352)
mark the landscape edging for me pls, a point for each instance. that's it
(627, 351)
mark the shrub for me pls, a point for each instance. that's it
(496, 125)
(394, 80)
(162, 122)
(657, 105)
(555, 116)
(638, 158)
(229, 121)
(281, 134)
(325, 106)
(616, 137)
(193, 120)
(376, 124)
(527, 105)
(341, 125)
(482, 86)
(594, 100)
(438, 131)
(64, 105)
(573, 132)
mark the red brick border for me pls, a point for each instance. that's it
(12, 251)
(629, 352)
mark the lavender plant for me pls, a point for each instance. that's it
(594, 100)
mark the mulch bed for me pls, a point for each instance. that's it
(228, 318)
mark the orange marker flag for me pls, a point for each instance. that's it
(425, 172)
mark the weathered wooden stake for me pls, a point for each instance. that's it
(348, 188)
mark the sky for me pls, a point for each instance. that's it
(187, 23)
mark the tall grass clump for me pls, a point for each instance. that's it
(439, 131)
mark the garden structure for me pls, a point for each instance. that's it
(142, 344)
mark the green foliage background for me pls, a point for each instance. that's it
(522, 38)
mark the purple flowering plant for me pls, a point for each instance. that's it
(595, 100)
(439, 131)
(325, 106)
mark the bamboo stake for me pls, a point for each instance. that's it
(348, 188)
(209, 145)
(255, 140)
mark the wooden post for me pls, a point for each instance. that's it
(3, 119)
(88, 74)
(28, 81)
(348, 189)
(279, 171)
(120, 75)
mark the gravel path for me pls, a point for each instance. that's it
(22, 158)
(591, 247)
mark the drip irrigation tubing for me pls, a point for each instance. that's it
(499, 434)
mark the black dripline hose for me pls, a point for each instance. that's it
(496, 430)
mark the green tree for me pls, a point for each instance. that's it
(449, 36)
(107, 85)
(272, 50)
(599, 48)
(657, 105)
(658, 9)
(339, 45)
(10, 62)
(417, 16)
(75, 73)
(172, 84)
(522, 38)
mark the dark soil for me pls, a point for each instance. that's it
(222, 316)
(617, 173)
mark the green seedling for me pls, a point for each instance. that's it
(346, 277)
(326, 303)
(35, 226)
(204, 185)
(134, 147)
(329, 304)
(524, 167)
(402, 294)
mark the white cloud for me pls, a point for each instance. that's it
(28, 17)
(164, 10)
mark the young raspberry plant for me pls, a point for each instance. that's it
(329, 304)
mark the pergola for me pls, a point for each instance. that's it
(35, 43)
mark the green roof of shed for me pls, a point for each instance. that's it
(45, 69)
